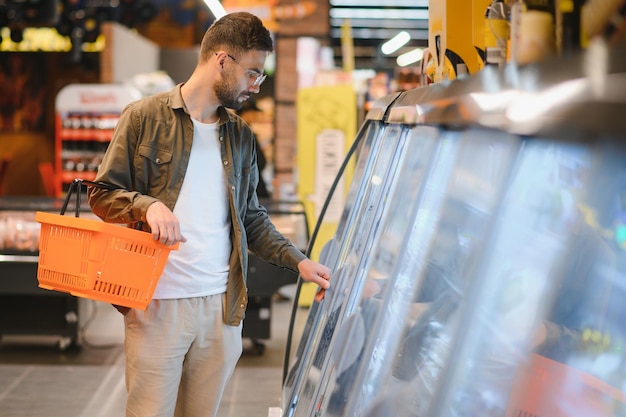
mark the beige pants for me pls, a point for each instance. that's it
(179, 357)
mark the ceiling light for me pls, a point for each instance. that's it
(378, 34)
(216, 8)
(410, 57)
(395, 43)
(376, 3)
(362, 13)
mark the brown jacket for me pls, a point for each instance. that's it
(147, 159)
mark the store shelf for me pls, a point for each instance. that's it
(86, 115)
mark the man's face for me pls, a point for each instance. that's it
(228, 91)
(242, 76)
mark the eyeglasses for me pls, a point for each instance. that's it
(255, 76)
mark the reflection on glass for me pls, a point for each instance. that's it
(477, 273)
(576, 367)
(360, 230)
(426, 157)
(369, 144)
(411, 354)
(370, 141)
(540, 335)
(375, 159)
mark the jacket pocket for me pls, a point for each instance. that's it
(156, 155)
(155, 164)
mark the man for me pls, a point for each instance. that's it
(186, 170)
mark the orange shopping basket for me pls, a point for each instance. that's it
(97, 260)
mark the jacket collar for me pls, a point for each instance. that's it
(176, 102)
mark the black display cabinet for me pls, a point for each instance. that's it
(26, 309)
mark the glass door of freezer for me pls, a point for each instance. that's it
(410, 168)
(544, 328)
(370, 142)
(418, 273)
(367, 199)
(409, 262)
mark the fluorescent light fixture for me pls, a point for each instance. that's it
(394, 26)
(410, 57)
(361, 13)
(381, 34)
(377, 3)
(395, 43)
(216, 8)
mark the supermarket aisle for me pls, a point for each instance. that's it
(37, 380)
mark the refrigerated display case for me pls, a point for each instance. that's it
(364, 202)
(26, 309)
(479, 265)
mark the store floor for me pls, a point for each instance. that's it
(39, 380)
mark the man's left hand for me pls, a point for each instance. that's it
(316, 273)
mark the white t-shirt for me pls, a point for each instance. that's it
(200, 266)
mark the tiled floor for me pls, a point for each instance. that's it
(39, 380)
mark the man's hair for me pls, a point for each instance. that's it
(237, 32)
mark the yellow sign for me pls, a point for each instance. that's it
(326, 129)
(44, 40)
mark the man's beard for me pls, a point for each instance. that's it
(227, 94)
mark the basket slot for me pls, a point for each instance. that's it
(119, 291)
(61, 280)
(134, 247)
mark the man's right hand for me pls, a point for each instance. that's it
(164, 225)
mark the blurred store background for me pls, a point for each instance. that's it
(420, 82)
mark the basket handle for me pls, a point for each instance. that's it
(76, 186)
